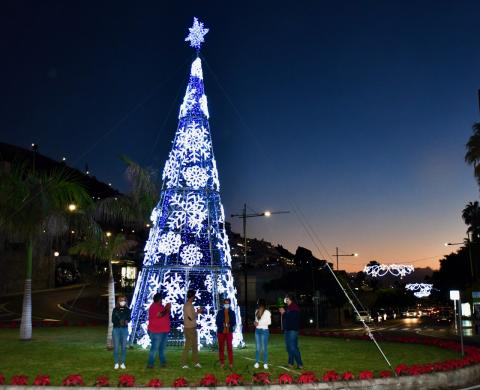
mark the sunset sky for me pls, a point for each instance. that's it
(353, 115)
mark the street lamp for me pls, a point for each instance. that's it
(469, 243)
(244, 216)
(72, 207)
(337, 255)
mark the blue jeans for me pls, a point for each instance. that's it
(119, 336)
(159, 340)
(261, 344)
(291, 341)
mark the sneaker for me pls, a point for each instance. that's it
(198, 365)
(300, 367)
(115, 367)
(163, 365)
(265, 366)
(256, 365)
(185, 366)
(122, 366)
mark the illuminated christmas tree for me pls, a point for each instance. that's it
(188, 247)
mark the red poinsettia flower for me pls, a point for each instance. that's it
(73, 380)
(234, 379)
(348, 376)
(307, 377)
(261, 378)
(285, 379)
(208, 380)
(331, 376)
(401, 369)
(126, 380)
(155, 382)
(102, 381)
(385, 374)
(2, 379)
(367, 374)
(20, 380)
(42, 380)
(180, 382)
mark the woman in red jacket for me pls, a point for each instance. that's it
(158, 329)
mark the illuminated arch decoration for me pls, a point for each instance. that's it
(187, 246)
(379, 270)
(420, 290)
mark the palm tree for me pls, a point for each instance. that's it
(134, 208)
(105, 247)
(471, 217)
(34, 206)
(472, 156)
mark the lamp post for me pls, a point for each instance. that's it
(337, 255)
(244, 217)
(469, 243)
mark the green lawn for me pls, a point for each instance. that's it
(62, 351)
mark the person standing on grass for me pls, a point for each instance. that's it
(120, 319)
(158, 329)
(226, 322)
(263, 318)
(291, 326)
(190, 330)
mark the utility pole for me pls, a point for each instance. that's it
(244, 217)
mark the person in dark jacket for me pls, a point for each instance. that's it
(226, 323)
(291, 326)
(120, 319)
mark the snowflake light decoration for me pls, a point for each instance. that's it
(191, 255)
(197, 32)
(420, 290)
(188, 247)
(195, 177)
(380, 270)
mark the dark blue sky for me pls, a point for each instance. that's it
(354, 112)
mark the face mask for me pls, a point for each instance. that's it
(226, 306)
(122, 303)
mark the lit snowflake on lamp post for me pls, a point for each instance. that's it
(197, 32)
(379, 270)
(420, 290)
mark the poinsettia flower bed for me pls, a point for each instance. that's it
(208, 380)
(261, 378)
(126, 380)
(20, 380)
(155, 382)
(102, 381)
(42, 380)
(234, 379)
(73, 380)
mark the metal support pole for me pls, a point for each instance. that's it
(245, 263)
(336, 254)
(460, 325)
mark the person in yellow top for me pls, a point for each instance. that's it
(190, 330)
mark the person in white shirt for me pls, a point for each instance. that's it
(263, 318)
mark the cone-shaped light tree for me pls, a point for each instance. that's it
(188, 247)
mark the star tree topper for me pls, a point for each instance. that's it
(197, 32)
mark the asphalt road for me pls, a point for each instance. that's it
(50, 305)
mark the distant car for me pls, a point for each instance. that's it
(363, 316)
(445, 316)
(411, 313)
